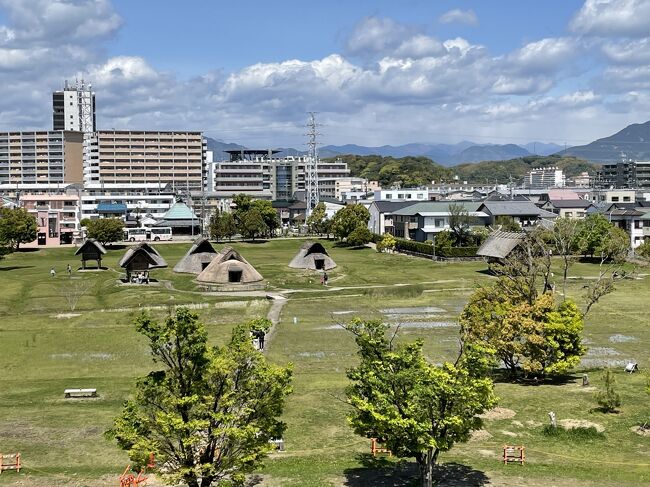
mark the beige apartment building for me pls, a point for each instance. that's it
(45, 157)
(142, 157)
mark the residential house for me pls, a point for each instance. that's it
(628, 217)
(422, 221)
(57, 216)
(381, 215)
(564, 208)
(525, 213)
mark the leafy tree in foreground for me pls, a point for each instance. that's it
(416, 408)
(387, 243)
(222, 225)
(209, 413)
(541, 338)
(106, 230)
(593, 229)
(16, 226)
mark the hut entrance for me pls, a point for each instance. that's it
(204, 265)
(234, 275)
(320, 263)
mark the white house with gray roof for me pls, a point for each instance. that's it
(422, 221)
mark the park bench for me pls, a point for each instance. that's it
(375, 447)
(514, 454)
(79, 393)
(9, 461)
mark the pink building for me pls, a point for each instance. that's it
(57, 216)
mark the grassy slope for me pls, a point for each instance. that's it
(40, 355)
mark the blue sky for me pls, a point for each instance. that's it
(380, 72)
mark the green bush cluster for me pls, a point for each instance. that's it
(427, 249)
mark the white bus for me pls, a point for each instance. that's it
(135, 234)
(161, 233)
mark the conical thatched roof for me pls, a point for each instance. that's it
(142, 253)
(312, 255)
(226, 266)
(197, 258)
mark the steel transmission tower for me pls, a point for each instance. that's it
(311, 166)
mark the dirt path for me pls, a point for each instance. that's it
(274, 315)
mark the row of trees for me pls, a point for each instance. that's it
(251, 219)
(17, 226)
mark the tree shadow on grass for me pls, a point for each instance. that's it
(383, 472)
(503, 376)
(16, 267)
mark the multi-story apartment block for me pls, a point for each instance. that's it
(407, 194)
(626, 174)
(142, 157)
(140, 201)
(259, 174)
(57, 216)
(545, 177)
(41, 157)
(73, 108)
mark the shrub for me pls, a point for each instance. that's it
(579, 433)
(608, 400)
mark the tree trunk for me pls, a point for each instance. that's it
(191, 480)
(426, 462)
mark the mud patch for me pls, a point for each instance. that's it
(518, 424)
(414, 310)
(509, 433)
(601, 352)
(426, 324)
(580, 423)
(498, 413)
(480, 435)
(533, 424)
(312, 354)
(346, 312)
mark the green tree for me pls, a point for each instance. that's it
(507, 223)
(106, 230)
(593, 230)
(252, 224)
(608, 399)
(460, 223)
(16, 226)
(268, 213)
(540, 337)
(360, 236)
(222, 225)
(347, 219)
(317, 218)
(416, 408)
(565, 238)
(643, 250)
(209, 412)
(444, 241)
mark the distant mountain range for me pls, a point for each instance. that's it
(445, 154)
(633, 142)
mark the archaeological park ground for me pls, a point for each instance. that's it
(60, 332)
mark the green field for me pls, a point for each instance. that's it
(45, 347)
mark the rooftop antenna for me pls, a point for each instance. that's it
(311, 166)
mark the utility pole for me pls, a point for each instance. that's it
(311, 166)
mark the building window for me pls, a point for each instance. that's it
(626, 198)
(615, 199)
(440, 222)
(389, 196)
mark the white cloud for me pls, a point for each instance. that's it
(459, 16)
(376, 35)
(628, 52)
(627, 18)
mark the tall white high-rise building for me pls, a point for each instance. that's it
(73, 108)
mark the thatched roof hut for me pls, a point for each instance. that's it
(141, 258)
(91, 249)
(197, 258)
(230, 271)
(499, 244)
(312, 255)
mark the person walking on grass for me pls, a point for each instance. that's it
(69, 269)
(52, 272)
(325, 278)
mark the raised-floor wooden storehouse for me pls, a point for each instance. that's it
(312, 255)
(140, 260)
(197, 258)
(499, 245)
(229, 271)
(91, 249)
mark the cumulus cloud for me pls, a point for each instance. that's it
(456, 15)
(375, 35)
(627, 18)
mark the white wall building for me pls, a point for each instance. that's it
(408, 194)
(73, 108)
(140, 199)
(545, 177)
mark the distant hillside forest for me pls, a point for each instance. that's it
(419, 171)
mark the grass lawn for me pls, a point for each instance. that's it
(46, 347)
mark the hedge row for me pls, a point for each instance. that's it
(427, 249)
